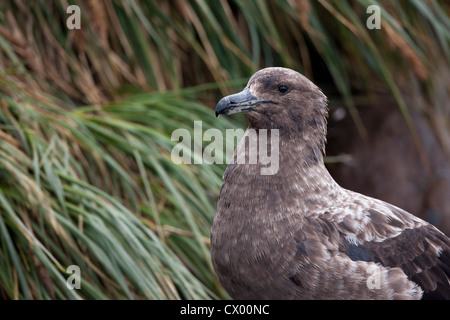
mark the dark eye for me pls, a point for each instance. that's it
(282, 89)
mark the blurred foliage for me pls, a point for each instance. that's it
(86, 118)
(96, 187)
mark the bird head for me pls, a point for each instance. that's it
(283, 99)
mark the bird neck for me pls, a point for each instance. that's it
(307, 131)
(295, 165)
(301, 161)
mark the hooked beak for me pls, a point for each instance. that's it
(238, 102)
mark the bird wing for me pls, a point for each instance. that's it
(328, 266)
(393, 238)
(404, 254)
(423, 253)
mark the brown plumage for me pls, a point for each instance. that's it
(294, 233)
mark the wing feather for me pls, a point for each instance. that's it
(416, 252)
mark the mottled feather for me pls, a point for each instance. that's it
(296, 234)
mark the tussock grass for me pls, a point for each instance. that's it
(96, 187)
